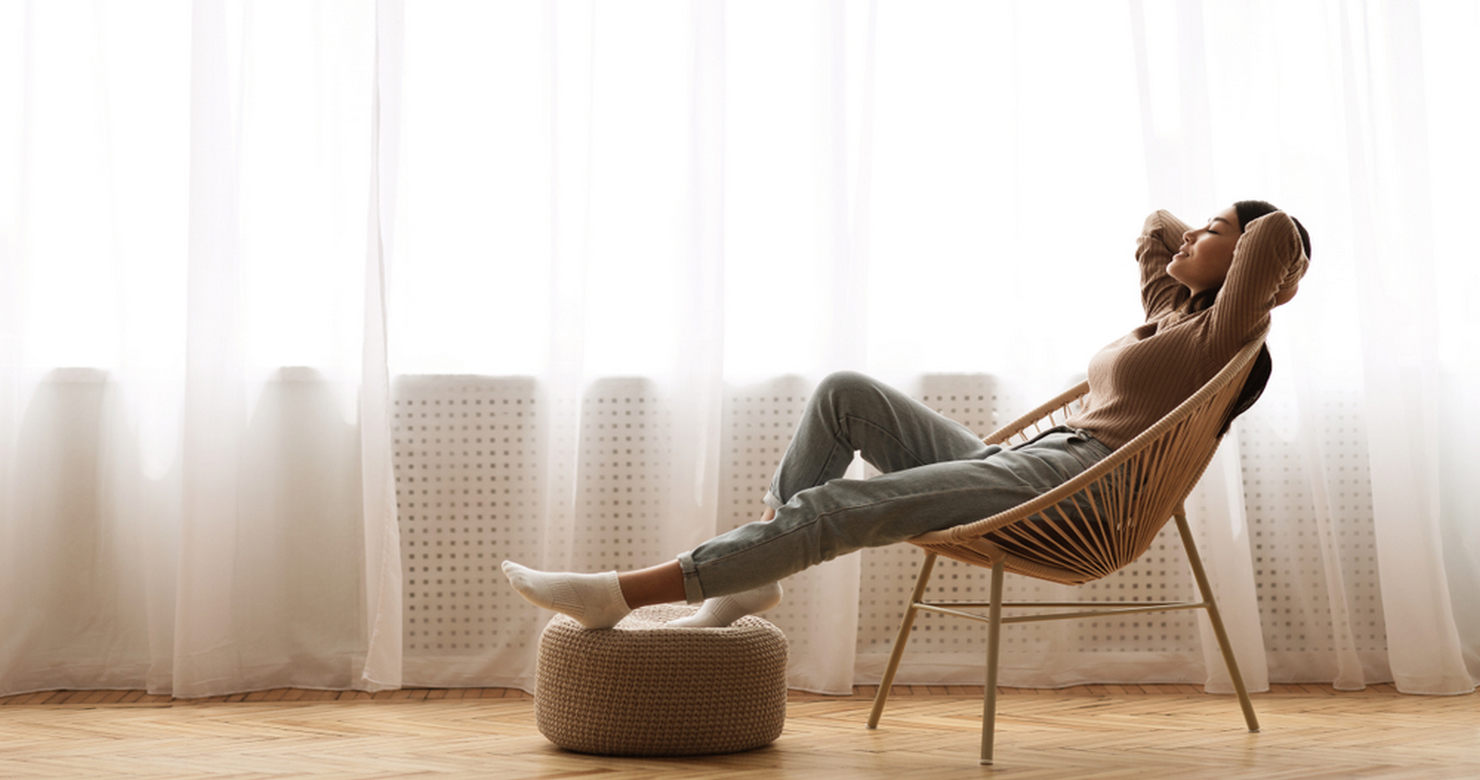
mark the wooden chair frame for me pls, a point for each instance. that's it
(1131, 494)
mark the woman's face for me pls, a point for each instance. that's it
(1206, 253)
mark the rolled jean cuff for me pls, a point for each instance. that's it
(772, 501)
(693, 592)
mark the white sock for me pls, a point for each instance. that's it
(723, 610)
(593, 599)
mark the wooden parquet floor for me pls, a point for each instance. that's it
(1089, 731)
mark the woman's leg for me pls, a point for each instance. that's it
(852, 411)
(844, 515)
(654, 585)
(848, 411)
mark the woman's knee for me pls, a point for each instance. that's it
(840, 384)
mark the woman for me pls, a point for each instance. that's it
(1206, 291)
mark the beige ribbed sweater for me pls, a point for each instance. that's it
(1136, 379)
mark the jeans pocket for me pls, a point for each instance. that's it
(1085, 448)
(1042, 435)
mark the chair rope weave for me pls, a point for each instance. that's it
(1089, 527)
(1131, 493)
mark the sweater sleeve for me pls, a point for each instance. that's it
(1161, 234)
(1267, 260)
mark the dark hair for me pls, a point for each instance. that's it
(1248, 211)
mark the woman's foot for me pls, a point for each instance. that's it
(721, 611)
(595, 600)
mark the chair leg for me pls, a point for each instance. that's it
(899, 641)
(1217, 621)
(994, 642)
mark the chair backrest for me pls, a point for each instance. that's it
(1107, 516)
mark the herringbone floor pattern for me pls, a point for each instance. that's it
(1090, 731)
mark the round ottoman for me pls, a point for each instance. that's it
(644, 689)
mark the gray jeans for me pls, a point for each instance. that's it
(936, 473)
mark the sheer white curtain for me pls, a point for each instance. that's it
(195, 479)
(1353, 117)
(672, 200)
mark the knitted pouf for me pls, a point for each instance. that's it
(642, 688)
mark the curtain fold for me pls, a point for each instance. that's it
(382, 562)
(311, 313)
(1400, 332)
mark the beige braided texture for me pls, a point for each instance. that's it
(1106, 516)
(644, 689)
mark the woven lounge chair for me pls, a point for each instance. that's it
(1089, 527)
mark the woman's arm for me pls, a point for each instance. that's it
(1268, 262)
(1161, 234)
